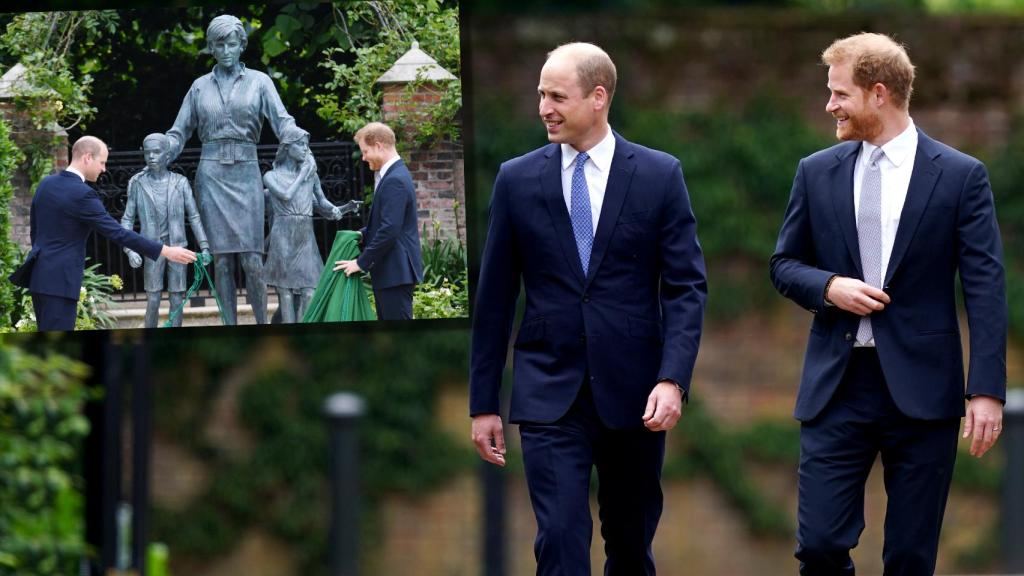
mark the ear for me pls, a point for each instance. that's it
(600, 98)
(879, 94)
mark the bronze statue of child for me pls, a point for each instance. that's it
(163, 201)
(294, 263)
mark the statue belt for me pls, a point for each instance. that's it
(229, 151)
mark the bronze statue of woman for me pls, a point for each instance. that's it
(227, 108)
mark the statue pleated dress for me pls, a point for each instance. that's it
(293, 259)
(228, 185)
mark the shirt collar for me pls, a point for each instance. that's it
(388, 164)
(241, 70)
(899, 148)
(75, 172)
(601, 153)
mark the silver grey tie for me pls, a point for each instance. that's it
(869, 233)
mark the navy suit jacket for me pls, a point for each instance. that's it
(391, 240)
(633, 320)
(948, 226)
(64, 211)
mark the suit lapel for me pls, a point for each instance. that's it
(619, 177)
(842, 200)
(922, 183)
(551, 188)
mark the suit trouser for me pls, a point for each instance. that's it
(54, 312)
(558, 458)
(394, 303)
(837, 450)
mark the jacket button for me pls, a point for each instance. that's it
(849, 336)
(583, 337)
(586, 298)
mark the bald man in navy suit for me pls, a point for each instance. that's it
(600, 233)
(64, 211)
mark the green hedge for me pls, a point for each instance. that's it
(41, 428)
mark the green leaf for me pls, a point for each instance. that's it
(272, 46)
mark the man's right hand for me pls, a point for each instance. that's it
(855, 296)
(488, 438)
(134, 260)
(178, 254)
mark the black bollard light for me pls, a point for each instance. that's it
(1013, 484)
(343, 411)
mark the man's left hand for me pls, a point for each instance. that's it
(664, 406)
(985, 422)
(350, 267)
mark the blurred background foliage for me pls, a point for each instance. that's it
(42, 398)
(280, 408)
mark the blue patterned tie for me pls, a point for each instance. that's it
(869, 233)
(582, 221)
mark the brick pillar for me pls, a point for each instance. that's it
(438, 170)
(23, 134)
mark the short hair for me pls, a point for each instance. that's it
(165, 142)
(875, 59)
(593, 66)
(87, 145)
(374, 133)
(222, 26)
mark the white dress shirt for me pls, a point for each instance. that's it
(896, 167)
(595, 170)
(384, 170)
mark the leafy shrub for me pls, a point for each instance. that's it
(41, 428)
(94, 298)
(10, 254)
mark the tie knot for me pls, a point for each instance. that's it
(876, 155)
(581, 159)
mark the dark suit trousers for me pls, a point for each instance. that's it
(54, 312)
(837, 450)
(558, 458)
(394, 303)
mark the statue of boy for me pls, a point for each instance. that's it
(163, 201)
(293, 262)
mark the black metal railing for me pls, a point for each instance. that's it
(342, 176)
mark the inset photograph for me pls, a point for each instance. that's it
(220, 166)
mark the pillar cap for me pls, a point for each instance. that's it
(13, 77)
(415, 65)
(344, 405)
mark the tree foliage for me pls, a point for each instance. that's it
(379, 32)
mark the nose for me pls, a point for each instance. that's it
(543, 108)
(831, 105)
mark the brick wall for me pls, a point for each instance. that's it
(438, 171)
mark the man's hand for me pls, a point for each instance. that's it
(350, 267)
(488, 438)
(855, 296)
(178, 254)
(134, 260)
(664, 406)
(205, 257)
(985, 421)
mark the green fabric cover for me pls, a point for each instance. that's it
(340, 298)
